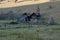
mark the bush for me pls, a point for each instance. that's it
(51, 21)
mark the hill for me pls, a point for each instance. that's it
(12, 3)
(44, 9)
(23, 31)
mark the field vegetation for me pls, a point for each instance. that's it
(11, 28)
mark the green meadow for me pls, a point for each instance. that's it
(29, 32)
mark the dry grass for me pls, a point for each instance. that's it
(13, 4)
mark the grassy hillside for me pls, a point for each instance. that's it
(44, 9)
(31, 32)
(12, 3)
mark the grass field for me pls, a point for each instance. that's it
(32, 32)
(29, 32)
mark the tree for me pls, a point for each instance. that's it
(38, 13)
(38, 9)
(51, 21)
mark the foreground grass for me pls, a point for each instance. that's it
(35, 32)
